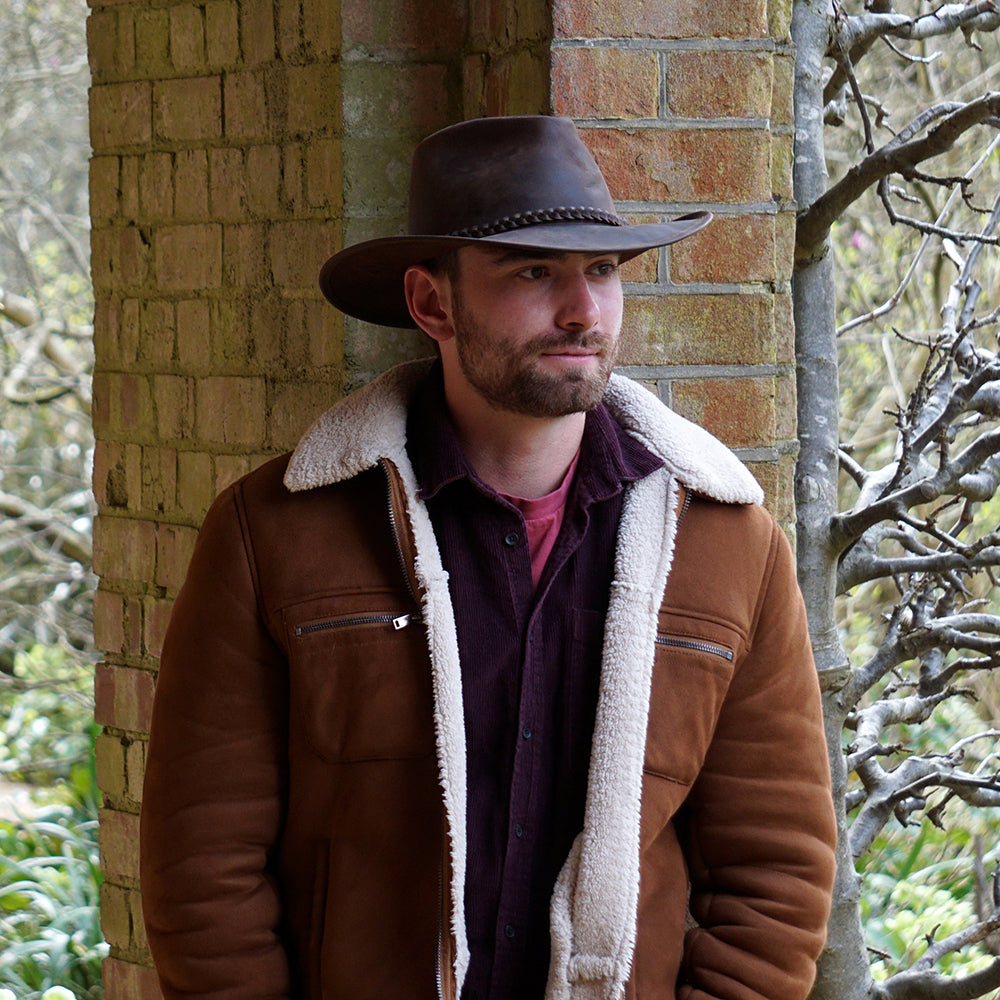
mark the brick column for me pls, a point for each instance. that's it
(689, 106)
(215, 196)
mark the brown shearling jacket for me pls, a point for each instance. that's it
(303, 812)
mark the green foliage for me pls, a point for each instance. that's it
(50, 932)
(922, 888)
(46, 710)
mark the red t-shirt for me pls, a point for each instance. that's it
(543, 517)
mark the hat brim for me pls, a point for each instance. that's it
(366, 280)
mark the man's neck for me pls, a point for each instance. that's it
(519, 455)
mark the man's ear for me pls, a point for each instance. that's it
(428, 297)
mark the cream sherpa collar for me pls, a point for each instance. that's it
(594, 904)
(370, 424)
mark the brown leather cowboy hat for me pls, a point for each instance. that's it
(524, 181)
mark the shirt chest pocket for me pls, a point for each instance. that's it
(360, 680)
(692, 669)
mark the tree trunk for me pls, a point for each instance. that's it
(844, 972)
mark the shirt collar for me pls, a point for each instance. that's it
(609, 456)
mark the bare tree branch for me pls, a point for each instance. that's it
(899, 155)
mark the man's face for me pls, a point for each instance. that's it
(536, 333)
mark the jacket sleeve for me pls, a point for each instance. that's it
(760, 831)
(215, 782)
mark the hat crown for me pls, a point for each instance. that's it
(494, 174)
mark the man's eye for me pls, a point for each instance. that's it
(605, 268)
(534, 273)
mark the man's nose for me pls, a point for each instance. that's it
(578, 308)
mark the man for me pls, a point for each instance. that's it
(499, 686)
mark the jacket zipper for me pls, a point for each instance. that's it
(438, 978)
(394, 524)
(696, 644)
(396, 621)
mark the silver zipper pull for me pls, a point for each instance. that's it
(401, 622)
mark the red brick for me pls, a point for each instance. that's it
(152, 43)
(515, 83)
(222, 33)
(128, 333)
(731, 249)
(102, 44)
(123, 698)
(188, 109)
(195, 483)
(124, 548)
(265, 337)
(229, 468)
(157, 613)
(191, 185)
(104, 188)
(156, 186)
(133, 627)
(189, 258)
(297, 251)
(720, 84)
(159, 479)
(109, 759)
(783, 103)
(740, 411)
(157, 331)
(227, 185)
(605, 83)
(246, 106)
(292, 154)
(130, 187)
(321, 28)
(323, 176)
(120, 115)
(697, 330)
(230, 410)
(257, 32)
(666, 19)
(109, 634)
(174, 545)
(245, 257)
(314, 99)
(293, 406)
(194, 348)
(263, 174)
(135, 769)
(174, 395)
(124, 981)
(132, 258)
(187, 38)
(685, 165)
(131, 405)
(115, 923)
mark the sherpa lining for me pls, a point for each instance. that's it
(594, 905)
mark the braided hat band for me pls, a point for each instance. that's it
(561, 214)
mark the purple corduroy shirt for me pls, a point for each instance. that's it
(531, 660)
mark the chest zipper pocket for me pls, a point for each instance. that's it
(357, 621)
(698, 645)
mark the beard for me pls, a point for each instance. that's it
(508, 375)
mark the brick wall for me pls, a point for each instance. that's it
(236, 143)
(688, 105)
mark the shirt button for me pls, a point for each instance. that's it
(526, 732)
(511, 538)
(518, 830)
(509, 931)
